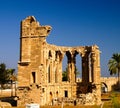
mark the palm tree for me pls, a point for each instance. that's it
(114, 66)
(12, 77)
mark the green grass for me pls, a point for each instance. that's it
(114, 100)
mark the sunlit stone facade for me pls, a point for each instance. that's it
(40, 68)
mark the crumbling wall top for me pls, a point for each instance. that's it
(31, 27)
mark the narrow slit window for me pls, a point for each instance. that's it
(33, 77)
(66, 93)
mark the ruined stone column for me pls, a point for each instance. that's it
(95, 57)
(90, 69)
(51, 70)
(57, 74)
(96, 72)
(93, 67)
(52, 67)
(61, 56)
(73, 73)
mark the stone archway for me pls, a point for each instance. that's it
(104, 87)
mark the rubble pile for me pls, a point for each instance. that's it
(86, 99)
(83, 99)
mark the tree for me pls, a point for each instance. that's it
(5, 74)
(65, 75)
(77, 72)
(114, 66)
(12, 77)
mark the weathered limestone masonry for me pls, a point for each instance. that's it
(40, 68)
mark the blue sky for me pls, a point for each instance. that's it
(74, 23)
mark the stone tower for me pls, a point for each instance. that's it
(40, 68)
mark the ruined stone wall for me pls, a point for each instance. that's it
(109, 82)
(40, 67)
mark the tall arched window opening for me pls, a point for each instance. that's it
(64, 69)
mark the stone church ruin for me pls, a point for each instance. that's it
(40, 70)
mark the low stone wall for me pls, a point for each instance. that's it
(7, 92)
(84, 99)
